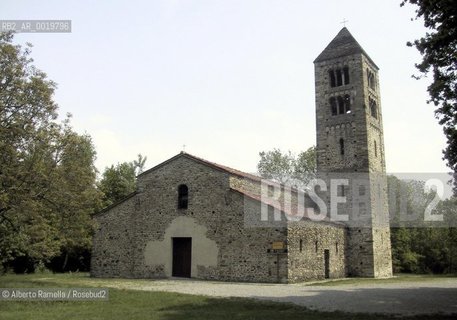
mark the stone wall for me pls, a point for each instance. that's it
(306, 242)
(113, 242)
(222, 247)
(351, 126)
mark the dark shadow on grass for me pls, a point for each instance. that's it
(237, 308)
(400, 301)
(242, 308)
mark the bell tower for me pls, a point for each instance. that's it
(350, 149)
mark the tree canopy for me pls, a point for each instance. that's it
(288, 168)
(47, 175)
(118, 181)
(438, 48)
(421, 248)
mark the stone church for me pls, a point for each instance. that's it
(193, 218)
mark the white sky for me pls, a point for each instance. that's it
(227, 78)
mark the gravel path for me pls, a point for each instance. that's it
(405, 298)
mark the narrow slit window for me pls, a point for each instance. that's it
(183, 196)
(301, 245)
(316, 246)
(375, 149)
(342, 146)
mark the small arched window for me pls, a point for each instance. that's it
(342, 146)
(183, 196)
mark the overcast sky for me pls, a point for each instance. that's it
(227, 78)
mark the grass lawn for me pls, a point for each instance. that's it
(132, 304)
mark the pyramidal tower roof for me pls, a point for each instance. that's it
(344, 44)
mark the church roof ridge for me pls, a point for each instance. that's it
(214, 165)
(344, 44)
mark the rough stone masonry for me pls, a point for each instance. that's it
(193, 218)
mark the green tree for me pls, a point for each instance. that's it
(28, 131)
(74, 195)
(46, 170)
(419, 247)
(119, 181)
(439, 56)
(288, 168)
(305, 168)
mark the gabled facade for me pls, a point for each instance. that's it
(152, 235)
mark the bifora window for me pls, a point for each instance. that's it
(340, 105)
(339, 77)
(183, 196)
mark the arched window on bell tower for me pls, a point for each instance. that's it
(340, 105)
(339, 77)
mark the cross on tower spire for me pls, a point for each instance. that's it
(344, 22)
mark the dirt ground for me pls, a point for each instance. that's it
(438, 295)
